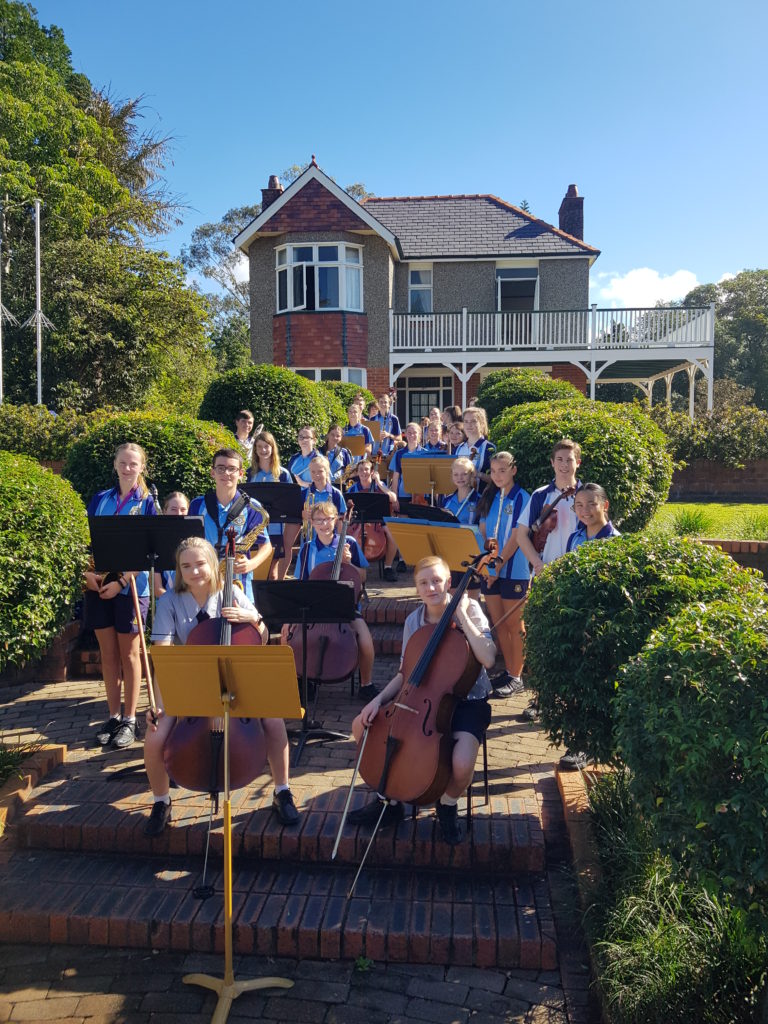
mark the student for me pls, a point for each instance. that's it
(390, 424)
(463, 503)
(199, 590)
(217, 506)
(451, 414)
(355, 428)
(338, 456)
(472, 715)
(369, 481)
(456, 437)
(565, 460)
(477, 447)
(321, 547)
(109, 608)
(243, 426)
(590, 503)
(499, 512)
(434, 438)
(176, 504)
(413, 444)
(298, 467)
(321, 488)
(265, 468)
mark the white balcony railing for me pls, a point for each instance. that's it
(581, 329)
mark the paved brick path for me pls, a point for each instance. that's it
(77, 869)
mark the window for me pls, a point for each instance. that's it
(516, 290)
(348, 374)
(319, 277)
(420, 290)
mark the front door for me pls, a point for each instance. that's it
(416, 395)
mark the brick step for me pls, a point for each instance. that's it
(92, 813)
(282, 910)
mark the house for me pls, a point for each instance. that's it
(429, 293)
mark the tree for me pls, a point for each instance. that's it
(524, 206)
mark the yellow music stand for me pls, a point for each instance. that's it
(216, 682)
(354, 443)
(425, 474)
(375, 428)
(454, 543)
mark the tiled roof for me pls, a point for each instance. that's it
(463, 226)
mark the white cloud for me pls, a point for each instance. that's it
(241, 268)
(641, 287)
(727, 276)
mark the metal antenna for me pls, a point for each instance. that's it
(5, 314)
(38, 318)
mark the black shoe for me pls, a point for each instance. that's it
(285, 808)
(531, 712)
(401, 566)
(572, 760)
(450, 827)
(505, 685)
(390, 574)
(369, 815)
(106, 732)
(367, 693)
(125, 735)
(158, 819)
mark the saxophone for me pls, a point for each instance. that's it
(245, 543)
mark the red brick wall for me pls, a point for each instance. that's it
(567, 371)
(316, 339)
(378, 379)
(702, 479)
(315, 209)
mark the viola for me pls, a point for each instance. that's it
(407, 754)
(193, 752)
(331, 647)
(546, 521)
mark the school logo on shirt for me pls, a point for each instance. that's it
(239, 521)
(136, 510)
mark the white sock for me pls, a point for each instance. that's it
(281, 789)
(384, 800)
(166, 799)
(449, 801)
(129, 718)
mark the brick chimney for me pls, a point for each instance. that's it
(272, 192)
(571, 213)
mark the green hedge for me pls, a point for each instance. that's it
(33, 430)
(502, 389)
(692, 724)
(621, 449)
(731, 436)
(179, 452)
(592, 610)
(279, 398)
(43, 554)
(335, 409)
(345, 392)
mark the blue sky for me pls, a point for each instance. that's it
(657, 111)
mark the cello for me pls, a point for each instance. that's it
(193, 752)
(405, 754)
(332, 653)
(375, 545)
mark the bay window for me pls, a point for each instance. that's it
(321, 276)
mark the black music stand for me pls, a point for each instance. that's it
(316, 601)
(370, 507)
(283, 502)
(427, 512)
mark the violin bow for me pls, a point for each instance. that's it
(349, 796)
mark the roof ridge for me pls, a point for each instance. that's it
(400, 199)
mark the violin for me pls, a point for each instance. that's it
(407, 753)
(331, 647)
(546, 522)
(193, 752)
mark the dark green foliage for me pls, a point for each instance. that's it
(34, 430)
(592, 610)
(346, 392)
(667, 951)
(621, 449)
(333, 405)
(730, 435)
(179, 452)
(43, 543)
(692, 724)
(279, 398)
(503, 389)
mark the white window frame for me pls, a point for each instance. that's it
(422, 287)
(341, 265)
(345, 372)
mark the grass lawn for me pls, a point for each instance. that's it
(713, 519)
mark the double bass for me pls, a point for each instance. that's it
(332, 653)
(407, 752)
(193, 752)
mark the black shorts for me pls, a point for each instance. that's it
(456, 578)
(117, 613)
(507, 590)
(278, 546)
(472, 716)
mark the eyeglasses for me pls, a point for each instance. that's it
(305, 437)
(324, 521)
(229, 470)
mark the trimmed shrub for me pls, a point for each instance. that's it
(333, 405)
(345, 392)
(279, 398)
(179, 452)
(691, 723)
(34, 430)
(732, 436)
(621, 449)
(592, 610)
(502, 389)
(43, 554)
